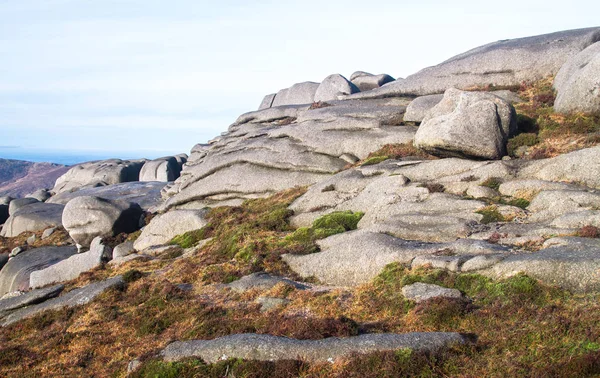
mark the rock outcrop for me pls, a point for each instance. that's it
(164, 169)
(366, 81)
(166, 226)
(468, 124)
(33, 217)
(334, 86)
(300, 93)
(577, 83)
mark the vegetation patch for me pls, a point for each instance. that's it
(492, 183)
(395, 151)
(490, 215)
(589, 232)
(325, 226)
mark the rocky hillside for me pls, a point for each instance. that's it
(19, 178)
(445, 224)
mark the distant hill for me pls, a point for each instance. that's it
(19, 178)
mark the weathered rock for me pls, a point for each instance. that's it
(502, 63)
(15, 274)
(269, 303)
(32, 218)
(15, 251)
(164, 169)
(163, 228)
(528, 189)
(31, 239)
(367, 82)
(48, 232)
(301, 93)
(73, 266)
(550, 204)
(334, 86)
(420, 292)
(420, 106)
(467, 124)
(30, 298)
(85, 218)
(100, 173)
(577, 82)
(41, 195)
(123, 249)
(267, 101)
(145, 194)
(5, 200)
(478, 191)
(578, 219)
(76, 297)
(274, 348)
(19, 203)
(262, 281)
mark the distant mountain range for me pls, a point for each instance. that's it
(19, 178)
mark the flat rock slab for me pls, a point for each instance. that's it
(15, 274)
(262, 281)
(35, 296)
(274, 348)
(73, 298)
(420, 292)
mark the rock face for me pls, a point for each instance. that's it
(272, 156)
(366, 81)
(15, 274)
(420, 106)
(35, 296)
(267, 102)
(41, 195)
(19, 203)
(467, 124)
(577, 82)
(37, 216)
(145, 194)
(73, 266)
(274, 348)
(164, 169)
(334, 86)
(100, 173)
(502, 63)
(163, 228)
(85, 218)
(420, 292)
(301, 93)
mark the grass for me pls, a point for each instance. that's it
(524, 328)
(325, 226)
(490, 214)
(492, 183)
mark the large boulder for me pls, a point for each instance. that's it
(41, 195)
(300, 93)
(267, 101)
(163, 228)
(145, 194)
(34, 217)
(70, 268)
(468, 124)
(420, 106)
(20, 203)
(365, 81)
(164, 169)
(99, 173)
(88, 217)
(334, 86)
(577, 82)
(503, 63)
(15, 274)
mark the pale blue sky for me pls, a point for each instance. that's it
(159, 76)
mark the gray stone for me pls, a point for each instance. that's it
(15, 251)
(261, 281)
(99, 173)
(577, 83)
(467, 124)
(420, 292)
(528, 189)
(73, 266)
(355, 257)
(368, 82)
(19, 203)
(5, 200)
(48, 232)
(145, 194)
(578, 219)
(32, 218)
(269, 303)
(358, 74)
(477, 263)
(502, 63)
(420, 106)
(41, 195)
(163, 228)
(550, 204)
(31, 240)
(85, 218)
(164, 169)
(301, 93)
(334, 86)
(267, 101)
(30, 298)
(14, 276)
(123, 249)
(478, 191)
(450, 263)
(274, 348)
(74, 298)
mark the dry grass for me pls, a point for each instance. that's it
(394, 151)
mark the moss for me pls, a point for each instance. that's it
(525, 139)
(325, 226)
(490, 215)
(518, 202)
(190, 238)
(492, 183)
(375, 160)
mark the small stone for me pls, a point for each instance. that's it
(269, 303)
(420, 292)
(48, 232)
(133, 366)
(31, 240)
(15, 252)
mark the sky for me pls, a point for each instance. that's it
(151, 78)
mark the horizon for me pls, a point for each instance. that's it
(137, 77)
